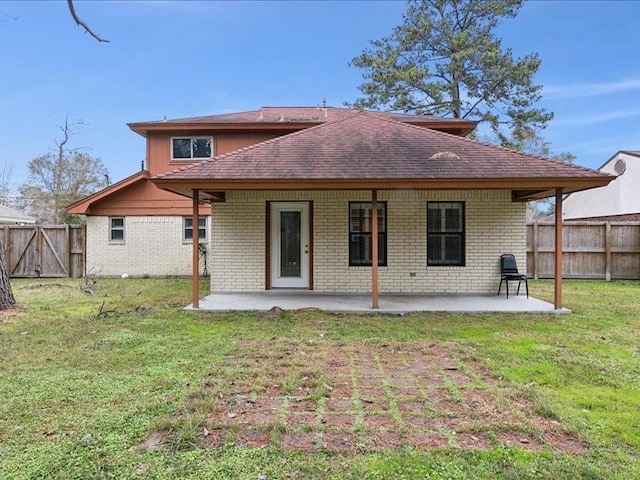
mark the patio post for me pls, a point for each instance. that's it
(558, 252)
(195, 252)
(374, 249)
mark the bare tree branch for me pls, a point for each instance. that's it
(81, 23)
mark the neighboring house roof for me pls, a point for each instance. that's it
(365, 150)
(629, 217)
(620, 197)
(295, 117)
(11, 215)
(635, 153)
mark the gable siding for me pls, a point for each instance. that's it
(159, 145)
(494, 225)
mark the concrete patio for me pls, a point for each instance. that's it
(361, 303)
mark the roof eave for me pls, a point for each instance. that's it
(462, 127)
(144, 128)
(526, 188)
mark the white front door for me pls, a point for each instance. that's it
(290, 245)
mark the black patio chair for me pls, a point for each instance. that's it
(509, 273)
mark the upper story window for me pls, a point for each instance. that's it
(445, 234)
(191, 148)
(116, 229)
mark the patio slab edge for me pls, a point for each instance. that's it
(392, 304)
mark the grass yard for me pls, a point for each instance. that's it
(124, 384)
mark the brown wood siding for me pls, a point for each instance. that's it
(145, 198)
(159, 153)
(159, 145)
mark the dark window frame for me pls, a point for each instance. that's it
(443, 233)
(117, 228)
(191, 156)
(202, 229)
(382, 236)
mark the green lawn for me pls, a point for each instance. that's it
(85, 380)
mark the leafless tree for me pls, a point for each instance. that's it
(6, 174)
(61, 177)
(82, 24)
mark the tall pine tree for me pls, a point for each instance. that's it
(445, 60)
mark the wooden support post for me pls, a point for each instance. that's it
(374, 249)
(195, 252)
(607, 251)
(535, 241)
(558, 252)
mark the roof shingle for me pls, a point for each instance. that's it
(363, 145)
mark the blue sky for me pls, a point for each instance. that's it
(181, 59)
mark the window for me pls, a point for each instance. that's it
(445, 233)
(360, 234)
(188, 228)
(116, 229)
(189, 148)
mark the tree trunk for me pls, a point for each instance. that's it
(6, 294)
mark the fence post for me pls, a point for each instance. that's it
(38, 239)
(535, 250)
(607, 251)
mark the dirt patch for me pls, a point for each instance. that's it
(8, 314)
(348, 397)
(301, 441)
(154, 442)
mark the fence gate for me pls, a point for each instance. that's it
(44, 250)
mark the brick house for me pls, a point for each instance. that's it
(132, 223)
(369, 202)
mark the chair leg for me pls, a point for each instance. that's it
(526, 284)
(500, 286)
(518, 291)
(507, 284)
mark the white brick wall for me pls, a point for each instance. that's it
(153, 245)
(494, 225)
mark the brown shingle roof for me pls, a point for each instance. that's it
(370, 146)
(297, 118)
(311, 115)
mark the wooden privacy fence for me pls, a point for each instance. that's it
(607, 251)
(44, 250)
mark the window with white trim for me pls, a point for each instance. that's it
(360, 234)
(187, 228)
(116, 229)
(191, 148)
(445, 234)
